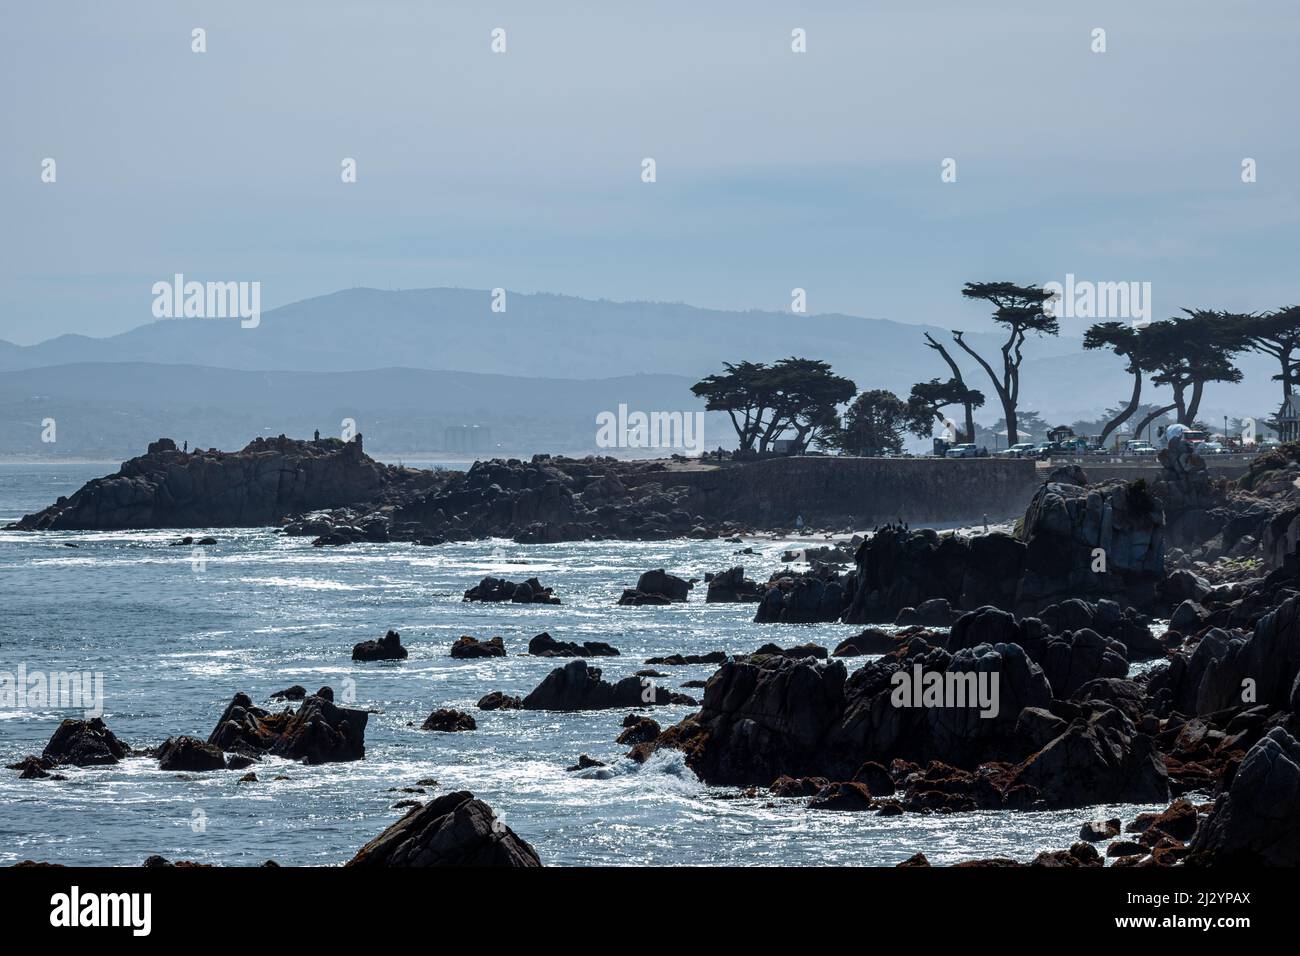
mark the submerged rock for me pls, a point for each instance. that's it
(189, 754)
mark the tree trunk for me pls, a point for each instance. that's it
(1127, 413)
(1151, 416)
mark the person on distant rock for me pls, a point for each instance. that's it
(185, 446)
(798, 522)
(316, 436)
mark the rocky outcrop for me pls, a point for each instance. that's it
(387, 648)
(449, 721)
(267, 481)
(575, 686)
(470, 648)
(680, 660)
(456, 829)
(766, 716)
(543, 645)
(1256, 822)
(806, 599)
(189, 754)
(498, 700)
(84, 743)
(499, 590)
(318, 732)
(732, 587)
(1101, 758)
(657, 587)
(1099, 542)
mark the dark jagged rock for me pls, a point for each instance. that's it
(799, 650)
(1256, 822)
(449, 721)
(634, 598)
(387, 648)
(731, 586)
(1099, 759)
(1108, 619)
(456, 829)
(584, 763)
(871, 641)
(500, 590)
(268, 480)
(189, 754)
(1103, 541)
(84, 743)
(318, 732)
(543, 645)
(659, 583)
(798, 786)
(1225, 665)
(639, 731)
(1094, 831)
(469, 648)
(770, 716)
(296, 692)
(842, 796)
(499, 701)
(936, 612)
(713, 657)
(803, 600)
(575, 686)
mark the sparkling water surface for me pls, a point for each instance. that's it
(175, 639)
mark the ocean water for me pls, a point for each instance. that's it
(176, 638)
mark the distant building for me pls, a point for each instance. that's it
(1288, 419)
(784, 446)
(466, 438)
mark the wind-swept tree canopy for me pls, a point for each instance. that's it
(1277, 334)
(1019, 310)
(936, 395)
(766, 402)
(1186, 353)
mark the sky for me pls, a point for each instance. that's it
(775, 170)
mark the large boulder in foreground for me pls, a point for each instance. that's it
(318, 732)
(456, 829)
(1257, 821)
(575, 686)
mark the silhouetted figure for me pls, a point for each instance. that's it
(316, 437)
(185, 446)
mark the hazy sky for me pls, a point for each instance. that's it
(819, 170)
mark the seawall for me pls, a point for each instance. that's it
(862, 492)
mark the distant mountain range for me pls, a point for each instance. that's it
(537, 373)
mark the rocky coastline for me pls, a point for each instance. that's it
(1054, 616)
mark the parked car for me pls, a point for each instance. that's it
(1138, 447)
(1211, 448)
(967, 450)
(1024, 449)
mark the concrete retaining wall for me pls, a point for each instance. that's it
(863, 492)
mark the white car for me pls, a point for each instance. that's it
(1023, 450)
